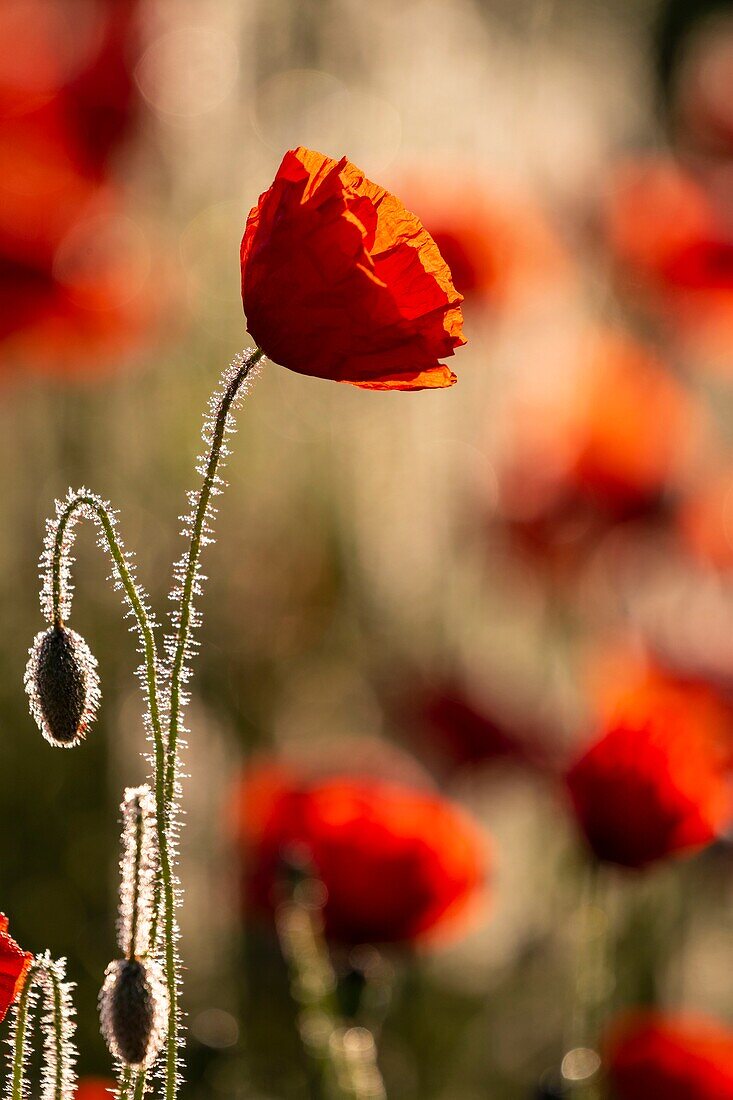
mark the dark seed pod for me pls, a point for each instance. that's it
(133, 1006)
(62, 684)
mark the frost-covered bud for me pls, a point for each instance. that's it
(62, 684)
(133, 1007)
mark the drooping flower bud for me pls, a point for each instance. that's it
(133, 1007)
(62, 684)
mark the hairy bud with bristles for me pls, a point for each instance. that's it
(139, 868)
(62, 684)
(133, 1007)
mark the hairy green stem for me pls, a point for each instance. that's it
(21, 1026)
(135, 1080)
(17, 1086)
(165, 756)
(185, 611)
(81, 502)
(132, 946)
(140, 1084)
(124, 1091)
(185, 607)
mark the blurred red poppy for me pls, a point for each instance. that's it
(14, 965)
(95, 1088)
(397, 864)
(656, 780)
(72, 265)
(340, 281)
(72, 282)
(469, 731)
(586, 453)
(631, 685)
(674, 247)
(72, 63)
(99, 98)
(705, 520)
(650, 1054)
(499, 247)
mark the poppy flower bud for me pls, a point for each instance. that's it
(62, 684)
(133, 1006)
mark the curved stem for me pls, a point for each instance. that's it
(236, 375)
(190, 569)
(59, 1060)
(85, 502)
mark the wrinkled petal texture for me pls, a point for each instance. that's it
(14, 965)
(675, 1058)
(340, 281)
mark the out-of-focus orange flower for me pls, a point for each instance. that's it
(74, 291)
(629, 687)
(604, 446)
(340, 281)
(72, 266)
(499, 248)
(95, 1088)
(655, 212)
(674, 1057)
(656, 780)
(705, 520)
(71, 63)
(674, 248)
(14, 965)
(99, 98)
(397, 864)
(630, 421)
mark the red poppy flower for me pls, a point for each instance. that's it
(655, 782)
(340, 281)
(674, 1057)
(398, 864)
(14, 965)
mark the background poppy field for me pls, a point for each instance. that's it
(468, 651)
